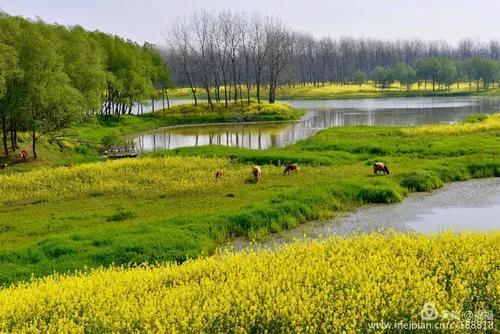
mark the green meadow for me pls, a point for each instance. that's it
(167, 205)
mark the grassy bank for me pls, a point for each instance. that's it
(344, 285)
(352, 91)
(81, 142)
(167, 206)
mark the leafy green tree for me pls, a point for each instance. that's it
(405, 74)
(359, 78)
(447, 73)
(49, 98)
(468, 72)
(383, 77)
(84, 64)
(8, 69)
(427, 70)
(489, 72)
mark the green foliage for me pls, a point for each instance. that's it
(405, 74)
(477, 118)
(383, 77)
(484, 169)
(359, 78)
(51, 75)
(420, 181)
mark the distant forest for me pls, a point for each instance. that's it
(227, 54)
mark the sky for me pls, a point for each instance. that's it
(148, 20)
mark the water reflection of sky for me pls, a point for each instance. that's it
(320, 115)
(458, 219)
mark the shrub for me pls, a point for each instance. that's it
(378, 194)
(476, 118)
(420, 181)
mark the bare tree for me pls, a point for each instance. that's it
(280, 44)
(181, 50)
(200, 48)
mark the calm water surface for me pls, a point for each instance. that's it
(320, 115)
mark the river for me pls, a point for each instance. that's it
(320, 114)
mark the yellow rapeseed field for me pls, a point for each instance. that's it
(491, 123)
(333, 286)
(165, 175)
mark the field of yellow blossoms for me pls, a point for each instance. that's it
(485, 123)
(166, 175)
(332, 286)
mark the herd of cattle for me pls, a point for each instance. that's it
(378, 167)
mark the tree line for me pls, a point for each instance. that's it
(51, 76)
(228, 53)
(439, 72)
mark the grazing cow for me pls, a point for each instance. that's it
(380, 167)
(3, 165)
(219, 175)
(257, 173)
(291, 168)
(69, 165)
(24, 155)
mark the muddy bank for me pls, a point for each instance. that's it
(472, 205)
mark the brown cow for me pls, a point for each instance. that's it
(219, 175)
(291, 167)
(380, 167)
(24, 155)
(257, 173)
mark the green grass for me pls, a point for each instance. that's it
(335, 173)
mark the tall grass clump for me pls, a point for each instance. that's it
(420, 181)
(484, 169)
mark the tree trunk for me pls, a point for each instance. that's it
(33, 138)
(209, 98)
(13, 136)
(163, 98)
(4, 136)
(168, 100)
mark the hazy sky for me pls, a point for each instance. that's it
(146, 20)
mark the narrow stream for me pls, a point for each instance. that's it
(472, 205)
